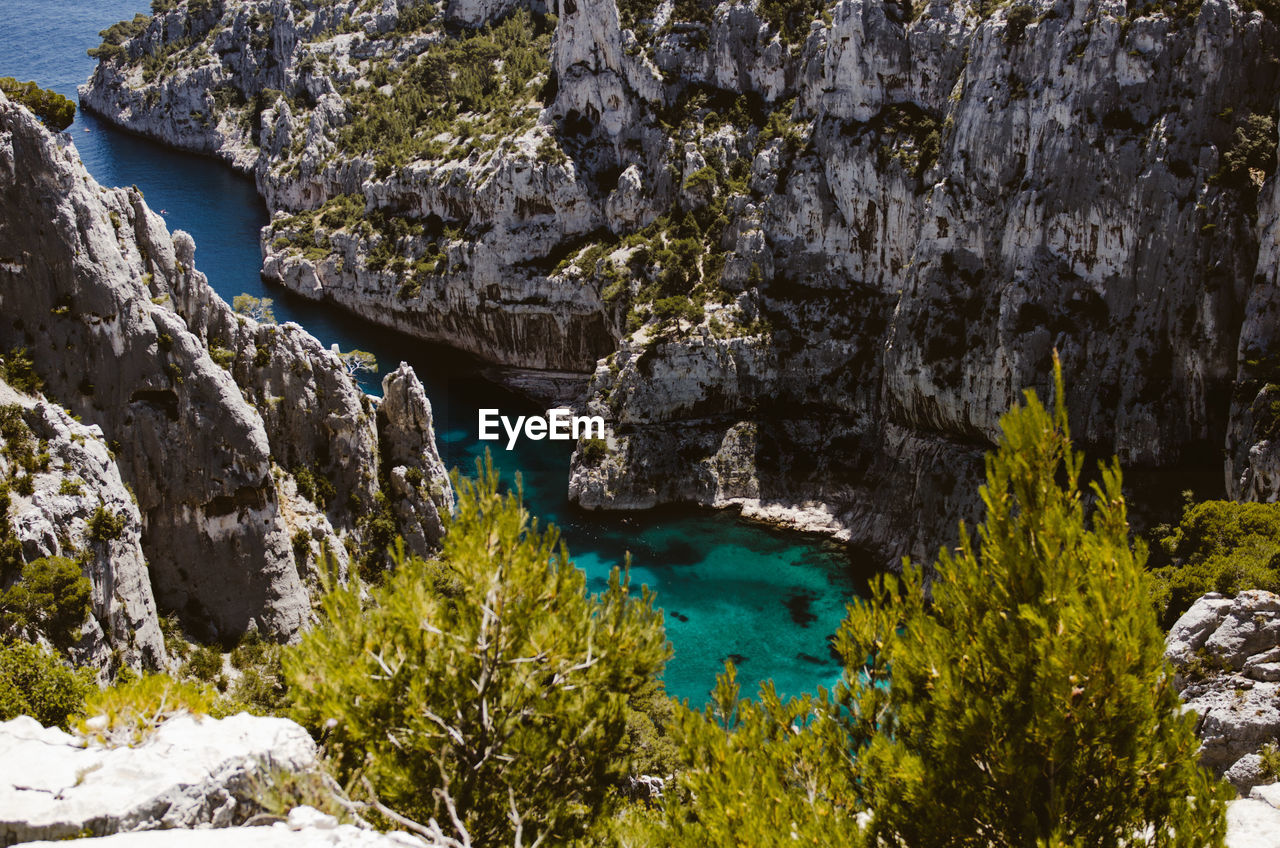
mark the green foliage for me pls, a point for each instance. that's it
(632, 12)
(911, 136)
(357, 362)
(1025, 701)
(19, 372)
(51, 597)
(114, 37)
(132, 710)
(54, 111)
(1017, 20)
(261, 688)
(593, 451)
(476, 83)
(222, 357)
(313, 485)
(10, 546)
(750, 769)
(1251, 155)
(671, 308)
(1028, 702)
(487, 684)
(257, 308)
(105, 525)
(1219, 546)
(38, 684)
(205, 663)
(651, 715)
(791, 18)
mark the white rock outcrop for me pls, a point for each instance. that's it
(1227, 655)
(189, 771)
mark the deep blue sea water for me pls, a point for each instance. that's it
(729, 588)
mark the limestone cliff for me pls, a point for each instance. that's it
(74, 505)
(810, 251)
(211, 416)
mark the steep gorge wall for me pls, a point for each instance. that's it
(901, 212)
(124, 333)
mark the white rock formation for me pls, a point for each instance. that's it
(190, 771)
(1227, 653)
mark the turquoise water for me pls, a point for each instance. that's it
(729, 589)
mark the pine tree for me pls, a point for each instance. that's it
(1028, 701)
(488, 690)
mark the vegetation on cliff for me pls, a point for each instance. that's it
(1028, 701)
(54, 111)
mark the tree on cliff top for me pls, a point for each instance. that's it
(1025, 702)
(1029, 700)
(54, 110)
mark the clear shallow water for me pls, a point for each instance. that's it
(729, 588)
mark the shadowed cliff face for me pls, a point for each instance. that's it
(124, 332)
(814, 266)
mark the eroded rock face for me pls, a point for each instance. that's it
(417, 476)
(190, 771)
(918, 210)
(1227, 654)
(80, 264)
(211, 415)
(80, 481)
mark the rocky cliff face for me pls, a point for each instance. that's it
(210, 415)
(811, 251)
(56, 516)
(1227, 654)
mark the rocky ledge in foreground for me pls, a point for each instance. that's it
(195, 781)
(247, 446)
(190, 772)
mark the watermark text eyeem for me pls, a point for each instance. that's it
(558, 425)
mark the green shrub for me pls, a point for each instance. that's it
(19, 372)
(1016, 22)
(105, 525)
(131, 711)
(261, 688)
(114, 37)
(1251, 154)
(222, 357)
(205, 664)
(38, 684)
(1029, 701)
(54, 111)
(257, 308)
(1219, 546)
(314, 485)
(488, 682)
(593, 451)
(677, 306)
(51, 597)
(1025, 701)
